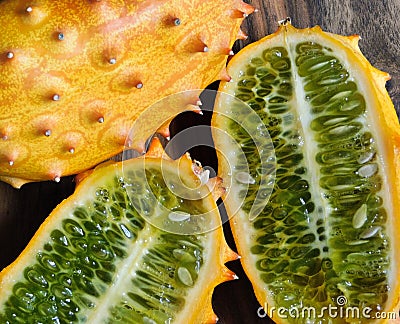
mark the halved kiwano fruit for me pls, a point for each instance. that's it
(96, 260)
(326, 233)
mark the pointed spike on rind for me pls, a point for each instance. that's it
(215, 185)
(10, 55)
(236, 14)
(156, 149)
(164, 131)
(196, 167)
(245, 8)
(228, 275)
(139, 146)
(194, 108)
(242, 35)
(5, 133)
(10, 157)
(284, 22)
(230, 255)
(192, 98)
(199, 46)
(213, 319)
(224, 76)
(227, 51)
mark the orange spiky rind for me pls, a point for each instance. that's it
(198, 307)
(372, 82)
(156, 149)
(87, 68)
(242, 35)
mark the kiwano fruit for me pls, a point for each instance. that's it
(74, 75)
(315, 203)
(126, 247)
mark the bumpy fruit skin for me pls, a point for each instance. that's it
(194, 305)
(74, 75)
(384, 124)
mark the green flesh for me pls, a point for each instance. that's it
(105, 264)
(322, 233)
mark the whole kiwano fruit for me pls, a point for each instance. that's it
(74, 75)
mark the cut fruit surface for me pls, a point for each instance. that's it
(326, 234)
(97, 260)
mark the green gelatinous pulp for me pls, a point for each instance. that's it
(308, 254)
(80, 262)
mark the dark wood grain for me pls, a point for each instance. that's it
(377, 21)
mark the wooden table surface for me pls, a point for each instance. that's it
(377, 21)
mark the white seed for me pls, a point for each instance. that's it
(11, 162)
(139, 85)
(101, 120)
(231, 52)
(205, 49)
(204, 176)
(56, 97)
(112, 60)
(339, 129)
(179, 253)
(29, 9)
(358, 242)
(71, 150)
(370, 232)
(178, 216)
(245, 178)
(57, 179)
(360, 216)
(148, 320)
(185, 277)
(335, 121)
(47, 132)
(10, 55)
(365, 157)
(367, 170)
